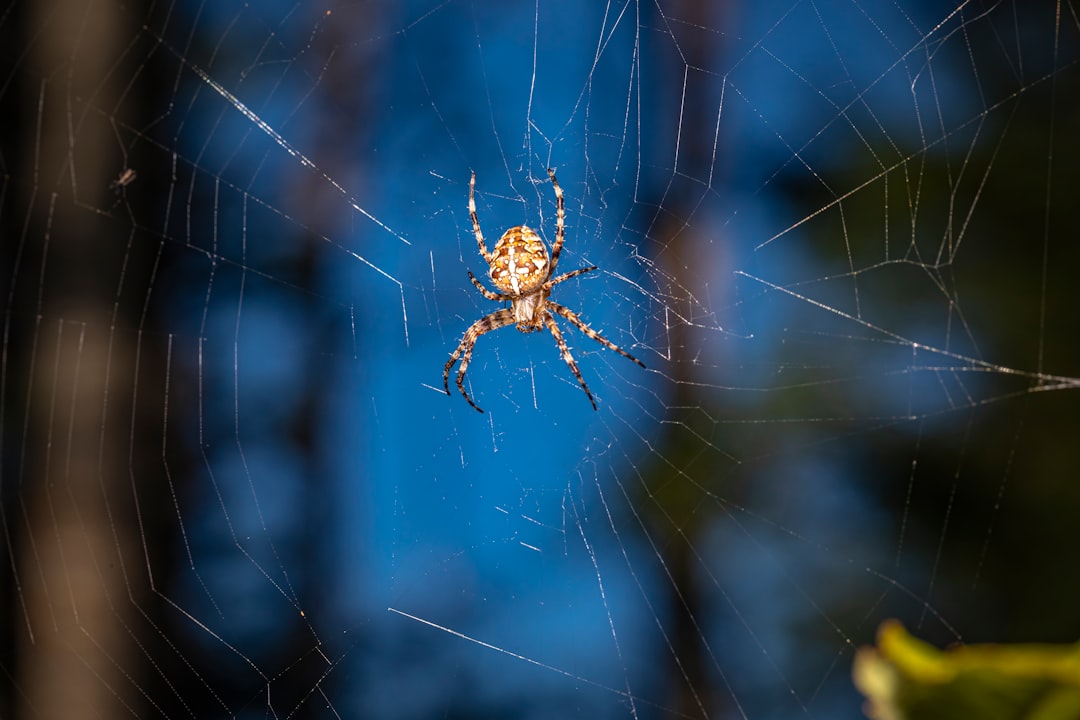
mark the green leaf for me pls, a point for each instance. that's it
(904, 678)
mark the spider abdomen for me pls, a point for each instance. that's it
(519, 262)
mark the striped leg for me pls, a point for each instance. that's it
(494, 321)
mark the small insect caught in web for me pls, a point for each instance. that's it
(127, 176)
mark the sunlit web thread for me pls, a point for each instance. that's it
(524, 658)
(304, 160)
(1046, 381)
(919, 46)
(287, 147)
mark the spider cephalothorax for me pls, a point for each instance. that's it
(520, 267)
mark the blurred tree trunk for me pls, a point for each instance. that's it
(693, 253)
(71, 524)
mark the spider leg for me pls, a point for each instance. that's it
(560, 222)
(568, 275)
(494, 321)
(498, 297)
(580, 325)
(476, 221)
(561, 342)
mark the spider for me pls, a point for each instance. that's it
(521, 269)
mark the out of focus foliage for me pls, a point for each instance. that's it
(904, 678)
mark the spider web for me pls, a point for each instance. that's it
(235, 242)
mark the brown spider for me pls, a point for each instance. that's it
(520, 268)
